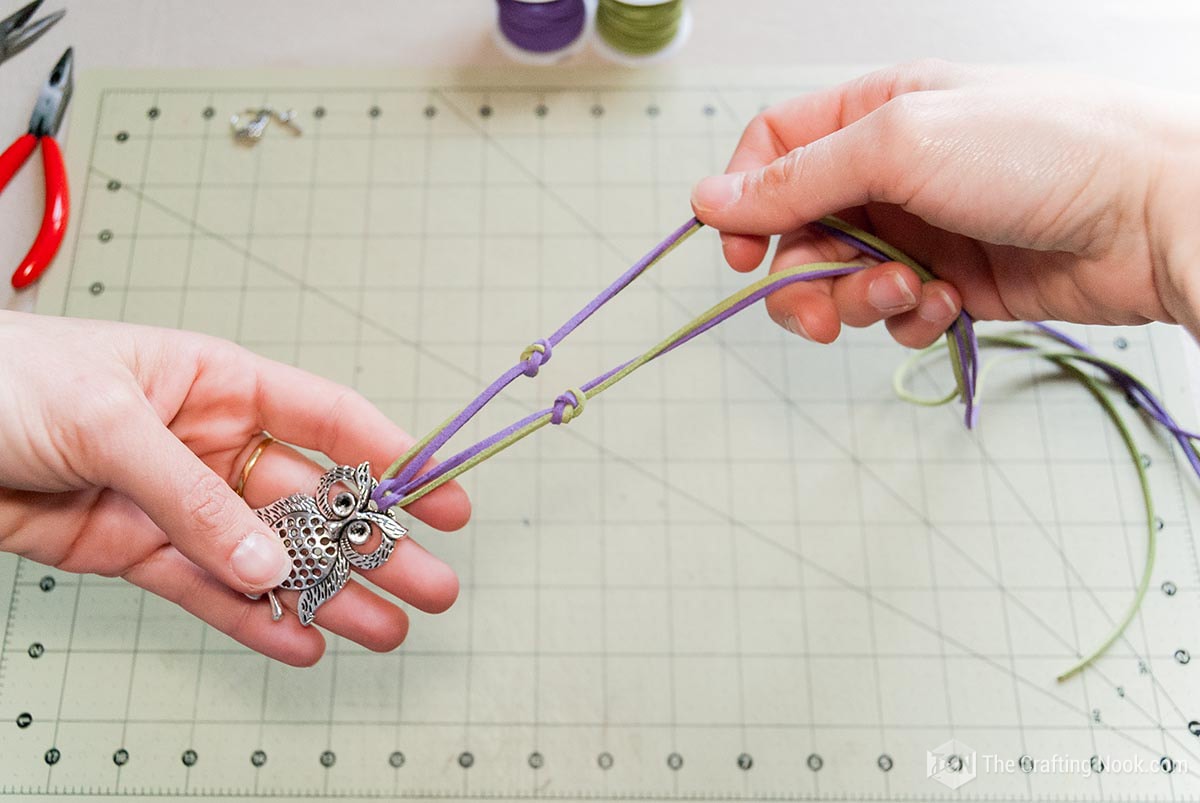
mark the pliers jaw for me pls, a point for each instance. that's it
(16, 34)
(52, 101)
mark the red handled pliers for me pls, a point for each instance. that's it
(43, 125)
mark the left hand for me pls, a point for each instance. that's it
(119, 447)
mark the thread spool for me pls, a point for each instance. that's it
(542, 31)
(640, 32)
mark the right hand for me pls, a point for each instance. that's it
(1032, 196)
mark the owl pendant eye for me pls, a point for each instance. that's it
(320, 533)
(358, 532)
(344, 504)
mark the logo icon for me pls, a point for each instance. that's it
(951, 764)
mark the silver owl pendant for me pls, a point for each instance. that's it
(321, 533)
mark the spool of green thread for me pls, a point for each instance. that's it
(635, 32)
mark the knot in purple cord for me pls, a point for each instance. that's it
(568, 406)
(535, 355)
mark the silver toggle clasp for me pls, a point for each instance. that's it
(251, 131)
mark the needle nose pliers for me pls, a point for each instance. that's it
(43, 125)
(18, 33)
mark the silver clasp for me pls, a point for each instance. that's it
(251, 131)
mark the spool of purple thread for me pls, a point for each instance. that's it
(541, 31)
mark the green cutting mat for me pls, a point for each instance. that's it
(748, 572)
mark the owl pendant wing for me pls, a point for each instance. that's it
(313, 597)
(306, 535)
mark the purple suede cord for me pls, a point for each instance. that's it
(850, 239)
(399, 490)
(1135, 391)
(526, 367)
(409, 479)
(963, 330)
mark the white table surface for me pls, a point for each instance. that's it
(1152, 41)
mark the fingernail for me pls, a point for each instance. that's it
(260, 561)
(889, 293)
(938, 307)
(793, 325)
(717, 192)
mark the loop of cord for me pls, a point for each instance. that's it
(402, 474)
(535, 355)
(402, 485)
(403, 482)
(568, 406)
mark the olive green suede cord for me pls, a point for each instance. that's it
(689, 329)
(1064, 360)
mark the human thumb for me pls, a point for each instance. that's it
(803, 185)
(200, 513)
